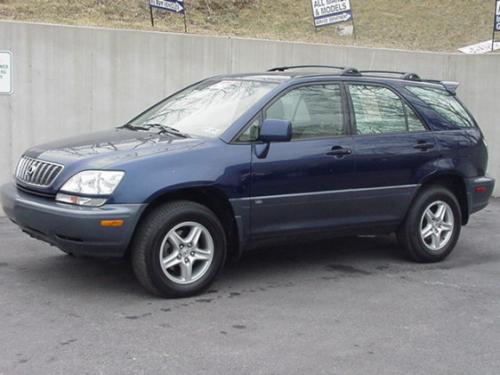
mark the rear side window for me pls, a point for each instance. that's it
(445, 104)
(378, 110)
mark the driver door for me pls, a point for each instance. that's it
(300, 186)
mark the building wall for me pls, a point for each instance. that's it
(70, 80)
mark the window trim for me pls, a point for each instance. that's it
(236, 140)
(401, 97)
(345, 112)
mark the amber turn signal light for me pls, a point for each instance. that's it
(112, 223)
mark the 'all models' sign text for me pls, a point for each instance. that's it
(497, 16)
(328, 12)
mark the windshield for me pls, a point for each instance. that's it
(206, 109)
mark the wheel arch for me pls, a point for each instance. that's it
(210, 197)
(456, 184)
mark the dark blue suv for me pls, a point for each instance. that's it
(236, 161)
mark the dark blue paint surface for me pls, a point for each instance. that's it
(283, 188)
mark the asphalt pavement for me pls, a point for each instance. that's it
(344, 306)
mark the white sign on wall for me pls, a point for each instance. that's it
(480, 48)
(328, 12)
(497, 16)
(5, 72)
(176, 6)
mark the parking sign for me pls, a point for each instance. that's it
(5, 72)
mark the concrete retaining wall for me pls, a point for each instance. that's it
(70, 80)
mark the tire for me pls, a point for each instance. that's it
(76, 256)
(162, 252)
(67, 253)
(425, 237)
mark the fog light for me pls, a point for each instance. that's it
(480, 189)
(80, 201)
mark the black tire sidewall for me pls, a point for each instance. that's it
(418, 249)
(158, 277)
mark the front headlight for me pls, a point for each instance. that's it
(94, 183)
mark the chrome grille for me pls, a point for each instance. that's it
(37, 172)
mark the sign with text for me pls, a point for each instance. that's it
(497, 16)
(480, 48)
(176, 6)
(5, 72)
(329, 12)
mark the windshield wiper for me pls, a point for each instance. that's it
(161, 127)
(166, 129)
(133, 127)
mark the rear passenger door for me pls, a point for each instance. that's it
(394, 150)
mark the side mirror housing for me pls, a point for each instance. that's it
(275, 131)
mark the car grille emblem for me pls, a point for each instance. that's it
(32, 169)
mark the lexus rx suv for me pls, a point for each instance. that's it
(236, 161)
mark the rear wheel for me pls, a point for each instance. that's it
(432, 226)
(178, 249)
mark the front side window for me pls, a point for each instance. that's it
(445, 104)
(208, 108)
(314, 111)
(252, 132)
(378, 110)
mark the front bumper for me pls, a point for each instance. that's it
(74, 229)
(479, 191)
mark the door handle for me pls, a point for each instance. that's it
(423, 145)
(339, 151)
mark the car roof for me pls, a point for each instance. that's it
(317, 72)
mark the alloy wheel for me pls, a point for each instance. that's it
(437, 225)
(186, 252)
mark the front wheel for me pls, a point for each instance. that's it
(432, 226)
(178, 249)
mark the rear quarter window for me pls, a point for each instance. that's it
(445, 104)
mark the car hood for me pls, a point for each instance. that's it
(105, 148)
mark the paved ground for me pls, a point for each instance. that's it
(350, 306)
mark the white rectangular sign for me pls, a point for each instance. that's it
(497, 16)
(328, 12)
(480, 48)
(176, 6)
(5, 72)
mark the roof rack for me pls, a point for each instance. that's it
(344, 70)
(449, 86)
(283, 68)
(403, 75)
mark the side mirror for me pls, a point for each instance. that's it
(275, 131)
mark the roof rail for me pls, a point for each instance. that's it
(403, 75)
(451, 87)
(351, 72)
(283, 68)
(344, 71)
